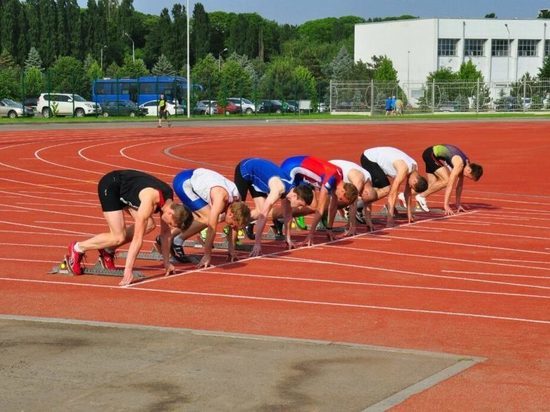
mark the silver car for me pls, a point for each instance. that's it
(12, 109)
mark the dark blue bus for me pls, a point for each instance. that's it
(140, 90)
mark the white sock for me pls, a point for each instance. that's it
(77, 248)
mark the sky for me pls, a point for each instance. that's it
(300, 11)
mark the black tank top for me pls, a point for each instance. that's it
(132, 182)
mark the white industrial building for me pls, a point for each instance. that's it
(503, 50)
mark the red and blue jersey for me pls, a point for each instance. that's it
(314, 171)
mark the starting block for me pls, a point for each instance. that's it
(272, 235)
(155, 255)
(217, 245)
(96, 269)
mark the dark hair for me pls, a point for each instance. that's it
(421, 184)
(477, 171)
(182, 215)
(304, 192)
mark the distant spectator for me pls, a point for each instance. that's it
(399, 107)
(389, 106)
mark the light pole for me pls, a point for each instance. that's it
(408, 75)
(133, 48)
(188, 66)
(220, 59)
(509, 53)
(101, 53)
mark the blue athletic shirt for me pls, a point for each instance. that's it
(258, 172)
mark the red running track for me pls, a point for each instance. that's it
(476, 284)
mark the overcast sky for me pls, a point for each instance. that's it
(299, 11)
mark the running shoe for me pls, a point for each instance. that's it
(300, 222)
(177, 251)
(278, 227)
(107, 259)
(74, 260)
(401, 198)
(421, 200)
(249, 230)
(346, 213)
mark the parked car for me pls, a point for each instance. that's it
(270, 106)
(229, 108)
(122, 108)
(65, 104)
(152, 108)
(13, 109)
(246, 105)
(206, 107)
(30, 103)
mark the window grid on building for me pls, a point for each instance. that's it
(547, 48)
(500, 48)
(474, 47)
(527, 48)
(446, 47)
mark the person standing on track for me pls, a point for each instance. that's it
(331, 190)
(388, 162)
(211, 197)
(162, 110)
(268, 183)
(446, 166)
(141, 195)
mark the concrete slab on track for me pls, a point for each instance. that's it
(52, 364)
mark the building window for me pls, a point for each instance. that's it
(500, 48)
(446, 47)
(474, 47)
(547, 48)
(527, 48)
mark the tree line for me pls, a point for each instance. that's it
(57, 45)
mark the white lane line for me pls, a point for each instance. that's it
(432, 257)
(374, 284)
(470, 245)
(496, 234)
(544, 262)
(292, 301)
(471, 222)
(406, 272)
(511, 275)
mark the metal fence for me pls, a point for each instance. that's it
(453, 96)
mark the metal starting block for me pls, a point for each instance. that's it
(321, 228)
(96, 269)
(155, 255)
(272, 235)
(217, 245)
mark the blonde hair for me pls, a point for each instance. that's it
(351, 192)
(182, 215)
(241, 213)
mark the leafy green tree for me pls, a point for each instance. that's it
(385, 71)
(201, 33)
(47, 10)
(33, 81)
(544, 14)
(6, 60)
(133, 69)
(33, 60)
(235, 80)
(277, 81)
(67, 75)
(544, 70)
(9, 84)
(305, 85)
(113, 71)
(163, 67)
(206, 73)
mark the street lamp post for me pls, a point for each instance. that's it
(101, 54)
(133, 48)
(408, 75)
(509, 53)
(188, 66)
(220, 59)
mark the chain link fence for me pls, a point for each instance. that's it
(437, 97)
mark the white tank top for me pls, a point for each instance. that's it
(203, 180)
(385, 156)
(347, 166)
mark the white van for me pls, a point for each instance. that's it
(65, 104)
